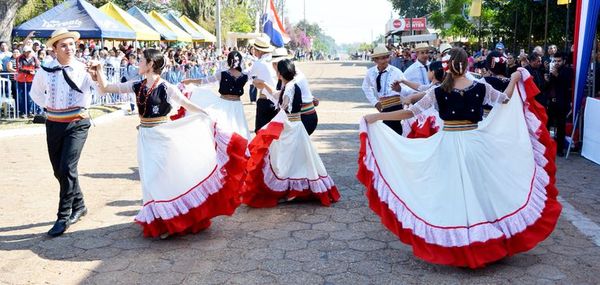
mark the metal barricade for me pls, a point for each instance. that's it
(16, 101)
(112, 75)
(8, 108)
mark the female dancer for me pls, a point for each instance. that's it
(284, 165)
(189, 169)
(227, 110)
(308, 111)
(496, 64)
(430, 122)
(472, 193)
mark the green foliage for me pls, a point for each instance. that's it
(236, 19)
(497, 20)
(320, 41)
(415, 8)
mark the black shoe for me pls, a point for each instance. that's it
(76, 215)
(59, 228)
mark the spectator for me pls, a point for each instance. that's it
(4, 52)
(539, 50)
(537, 72)
(548, 60)
(27, 63)
(512, 64)
(560, 82)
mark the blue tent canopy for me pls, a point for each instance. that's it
(196, 36)
(75, 15)
(164, 32)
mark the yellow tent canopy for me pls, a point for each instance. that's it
(142, 32)
(182, 36)
(208, 37)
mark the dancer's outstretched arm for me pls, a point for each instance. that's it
(96, 71)
(389, 116)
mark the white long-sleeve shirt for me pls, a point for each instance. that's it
(262, 69)
(390, 75)
(417, 72)
(50, 90)
(302, 83)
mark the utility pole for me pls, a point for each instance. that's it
(218, 50)
(530, 35)
(412, 12)
(546, 28)
(305, 16)
(567, 28)
(515, 33)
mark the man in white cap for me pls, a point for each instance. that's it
(64, 90)
(382, 85)
(262, 70)
(444, 49)
(417, 72)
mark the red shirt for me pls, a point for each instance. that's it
(26, 68)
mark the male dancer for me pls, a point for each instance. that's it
(417, 72)
(382, 86)
(263, 70)
(64, 90)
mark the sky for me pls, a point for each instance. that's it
(347, 21)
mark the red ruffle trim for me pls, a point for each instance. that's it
(223, 202)
(426, 130)
(256, 193)
(181, 111)
(477, 254)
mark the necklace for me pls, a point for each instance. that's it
(145, 95)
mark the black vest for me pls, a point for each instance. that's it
(466, 104)
(230, 85)
(156, 105)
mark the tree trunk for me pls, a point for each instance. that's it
(8, 10)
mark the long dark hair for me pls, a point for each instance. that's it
(287, 69)
(157, 59)
(457, 66)
(496, 63)
(234, 60)
(438, 70)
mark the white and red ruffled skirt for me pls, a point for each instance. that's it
(228, 114)
(190, 171)
(424, 127)
(466, 198)
(284, 165)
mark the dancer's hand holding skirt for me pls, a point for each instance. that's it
(191, 171)
(285, 165)
(466, 198)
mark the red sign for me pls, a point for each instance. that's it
(418, 24)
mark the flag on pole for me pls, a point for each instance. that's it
(586, 19)
(273, 27)
(563, 2)
(475, 8)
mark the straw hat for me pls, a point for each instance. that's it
(263, 44)
(61, 34)
(280, 54)
(422, 46)
(380, 50)
(445, 47)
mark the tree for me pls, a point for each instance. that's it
(415, 8)
(8, 10)
(307, 36)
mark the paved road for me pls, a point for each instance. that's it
(292, 244)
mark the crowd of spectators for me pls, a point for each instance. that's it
(551, 71)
